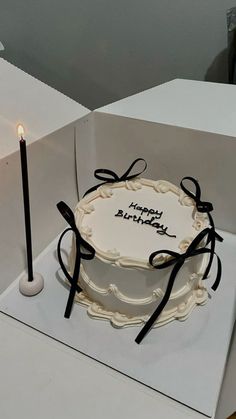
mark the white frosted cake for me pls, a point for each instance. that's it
(125, 222)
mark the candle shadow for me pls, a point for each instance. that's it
(59, 274)
(60, 277)
(64, 253)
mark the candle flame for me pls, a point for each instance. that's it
(20, 131)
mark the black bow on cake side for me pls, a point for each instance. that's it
(88, 254)
(178, 259)
(107, 176)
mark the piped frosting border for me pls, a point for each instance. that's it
(105, 191)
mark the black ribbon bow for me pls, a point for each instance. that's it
(80, 243)
(108, 176)
(208, 235)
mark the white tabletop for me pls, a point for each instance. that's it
(44, 379)
(41, 371)
(40, 108)
(172, 359)
(185, 103)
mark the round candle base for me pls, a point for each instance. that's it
(30, 288)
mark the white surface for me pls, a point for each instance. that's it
(26, 100)
(44, 379)
(185, 103)
(227, 402)
(184, 360)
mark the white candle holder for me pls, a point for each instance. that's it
(30, 288)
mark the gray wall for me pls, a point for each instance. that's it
(100, 51)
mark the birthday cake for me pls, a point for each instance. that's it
(137, 227)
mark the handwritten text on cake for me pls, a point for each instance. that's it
(144, 211)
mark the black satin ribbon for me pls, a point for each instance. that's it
(80, 243)
(202, 206)
(108, 176)
(208, 235)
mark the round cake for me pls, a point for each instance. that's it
(125, 222)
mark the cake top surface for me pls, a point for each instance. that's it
(126, 221)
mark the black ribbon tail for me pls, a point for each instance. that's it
(161, 306)
(74, 286)
(72, 280)
(70, 302)
(212, 253)
(218, 276)
(64, 270)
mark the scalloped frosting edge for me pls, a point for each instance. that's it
(112, 256)
(112, 289)
(118, 320)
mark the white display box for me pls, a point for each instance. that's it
(201, 144)
(172, 127)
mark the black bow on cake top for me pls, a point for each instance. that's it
(108, 176)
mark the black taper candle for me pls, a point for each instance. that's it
(25, 185)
